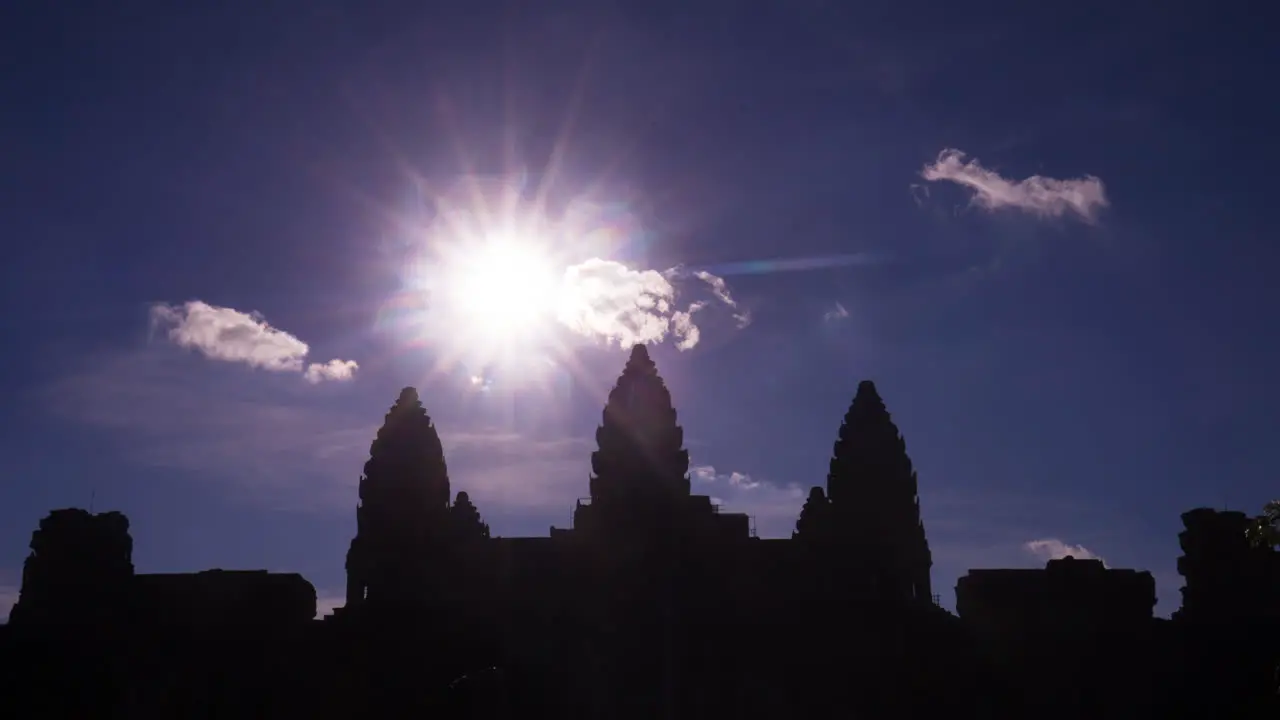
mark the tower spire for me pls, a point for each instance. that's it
(641, 461)
(403, 509)
(874, 498)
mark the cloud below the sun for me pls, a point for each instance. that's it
(229, 335)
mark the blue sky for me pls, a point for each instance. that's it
(1045, 234)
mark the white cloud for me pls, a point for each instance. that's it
(775, 508)
(335, 369)
(222, 333)
(227, 334)
(687, 334)
(1054, 549)
(1038, 195)
(721, 290)
(836, 314)
(605, 299)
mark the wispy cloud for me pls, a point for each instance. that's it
(1038, 195)
(1055, 549)
(774, 507)
(222, 333)
(721, 290)
(687, 334)
(836, 314)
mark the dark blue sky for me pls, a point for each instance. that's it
(1075, 362)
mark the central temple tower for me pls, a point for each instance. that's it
(403, 516)
(640, 471)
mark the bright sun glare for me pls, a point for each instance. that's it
(505, 287)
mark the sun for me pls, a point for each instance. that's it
(488, 290)
(503, 288)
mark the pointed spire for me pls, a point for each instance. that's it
(640, 361)
(403, 509)
(641, 444)
(872, 488)
(815, 522)
(465, 520)
(868, 446)
(407, 455)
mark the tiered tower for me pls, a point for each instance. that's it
(875, 508)
(465, 523)
(640, 473)
(79, 569)
(402, 520)
(1226, 577)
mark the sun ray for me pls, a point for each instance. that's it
(561, 146)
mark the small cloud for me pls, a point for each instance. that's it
(687, 334)
(774, 507)
(702, 473)
(221, 333)
(339, 370)
(1038, 195)
(836, 314)
(742, 480)
(227, 334)
(919, 193)
(1054, 549)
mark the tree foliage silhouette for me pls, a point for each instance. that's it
(1264, 530)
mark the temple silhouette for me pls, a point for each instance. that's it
(655, 603)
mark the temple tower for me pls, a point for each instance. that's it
(1225, 576)
(640, 471)
(402, 520)
(875, 507)
(80, 570)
